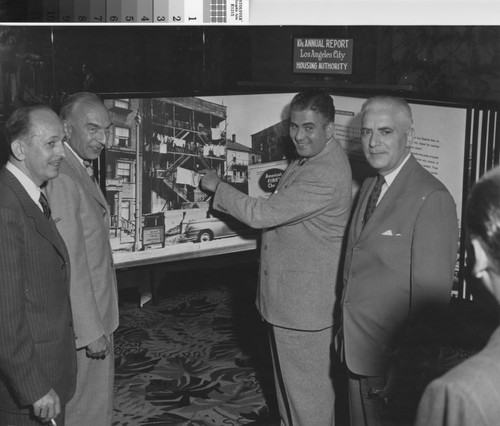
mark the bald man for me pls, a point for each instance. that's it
(37, 342)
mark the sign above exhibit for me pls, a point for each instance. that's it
(322, 55)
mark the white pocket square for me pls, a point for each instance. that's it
(389, 233)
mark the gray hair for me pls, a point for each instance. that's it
(400, 104)
(72, 101)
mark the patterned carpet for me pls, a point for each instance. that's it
(199, 358)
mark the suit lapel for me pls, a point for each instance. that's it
(388, 204)
(82, 176)
(289, 173)
(45, 227)
(294, 169)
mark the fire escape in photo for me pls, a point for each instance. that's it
(184, 137)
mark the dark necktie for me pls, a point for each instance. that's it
(45, 205)
(373, 198)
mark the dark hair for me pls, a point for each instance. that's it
(482, 217)
(314, 100)
(19, 125)
(72, 101)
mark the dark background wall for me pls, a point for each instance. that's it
(441, 63)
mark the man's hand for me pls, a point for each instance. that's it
(210, 181)
(48, 407)
(388, 391)
(99, 348)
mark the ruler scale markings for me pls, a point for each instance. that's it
(129, 11)
(161, 11)
(145, 11)
(176, 11)
(66, 10)
(34, 11)
(113, 10)
(97, 11)
(82, 11)
(193, 10)
(50, 10)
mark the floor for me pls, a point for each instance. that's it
(200, 356)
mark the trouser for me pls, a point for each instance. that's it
(93, 400)
(303, 377)
(365, 404)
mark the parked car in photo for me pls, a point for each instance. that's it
(215, 227)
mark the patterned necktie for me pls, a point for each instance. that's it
(89, 168)
(45, 205)
(372, 200)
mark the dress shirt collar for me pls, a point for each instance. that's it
(30, 186)
(389, 177)
(80, 159)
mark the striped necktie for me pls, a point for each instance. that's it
(89, 168)
(373, 198)
(45, 205)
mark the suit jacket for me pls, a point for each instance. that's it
(37, 342)
(82, 217)
(467, 394)
(303, 225)
(400, 264)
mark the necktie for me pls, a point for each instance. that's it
(45, 205)
(373, 198)
(89, 168)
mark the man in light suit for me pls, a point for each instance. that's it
(37, 341)
(400, 260)
(303, 224)
(82, 217)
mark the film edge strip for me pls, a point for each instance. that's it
(134, 11)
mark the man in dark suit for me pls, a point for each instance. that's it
(37, 343)
(400, 258)
(83, 220)
(303, 224)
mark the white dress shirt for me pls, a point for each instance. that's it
(30, 186)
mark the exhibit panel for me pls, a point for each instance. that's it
(162, 145)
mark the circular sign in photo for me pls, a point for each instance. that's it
(269, 179)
